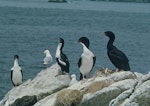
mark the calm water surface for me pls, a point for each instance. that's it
(29, 27)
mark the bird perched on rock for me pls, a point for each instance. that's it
(116, 56)
(61, 58)
(73, 80)
(87, 59)
(16, 72)
(48, 58)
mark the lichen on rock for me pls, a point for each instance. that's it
(98, 85)
(68, 97)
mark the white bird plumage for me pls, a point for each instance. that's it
(58, 54)
(48, 57)
(87, 60)
(58, 50)
(61, 58)
(16, 72)
(73, 80)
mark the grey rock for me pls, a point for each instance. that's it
(25, 101)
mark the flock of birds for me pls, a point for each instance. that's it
(85, 63)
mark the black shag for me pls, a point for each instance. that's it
(117, 57)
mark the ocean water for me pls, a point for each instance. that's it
(27, 27)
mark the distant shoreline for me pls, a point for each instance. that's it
(136, 1)
(82, 5)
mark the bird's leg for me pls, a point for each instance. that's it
(94, 76)
(83, 80)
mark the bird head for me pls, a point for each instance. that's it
(46, 51)
(110, 34)
(61, 40)
(16, 57)
(73, 76)
(85, 41)
(61, 43)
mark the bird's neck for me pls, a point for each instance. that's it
(110, 43)
(16, 62)
(86, 50)
(59, 50)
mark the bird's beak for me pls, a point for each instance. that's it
(102, 33)
(77, 42)
(57, 41)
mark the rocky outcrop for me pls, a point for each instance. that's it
(140, 95)
(108, 88)
(44, 84)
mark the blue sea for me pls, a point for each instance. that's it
(28, 27)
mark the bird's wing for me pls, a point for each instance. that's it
(47, 59)
(81, 76)
(64, 59)
(12, 76)
(118, 55)
(79, 62)
(11, 73)
(61, 62)
(94, 60)
(21, 74)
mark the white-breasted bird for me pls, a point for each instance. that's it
(16, 72)
(87, 59)
(48, 57)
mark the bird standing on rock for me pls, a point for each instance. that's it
(87, 59)
(73, 80)
(61, 58)
(48, 58)
(116, 56)
(16, 72)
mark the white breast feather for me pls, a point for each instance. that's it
(87, 61)
(17, 75)
(58, 50)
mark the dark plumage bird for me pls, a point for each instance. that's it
(117, 57)
(61, 58)
(16, 72)
(87, 59)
